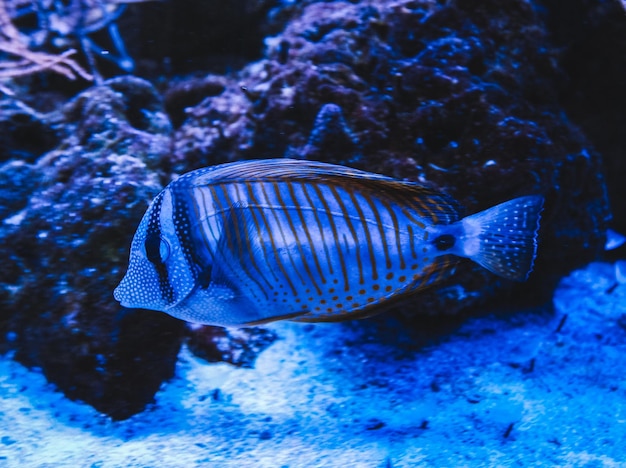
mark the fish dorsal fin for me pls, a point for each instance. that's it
(277, 169)
(426, 201)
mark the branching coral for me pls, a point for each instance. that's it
(65, 26)
(20, 60)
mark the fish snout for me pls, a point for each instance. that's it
(120, 293)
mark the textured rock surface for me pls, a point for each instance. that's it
(68, 221)
(64, 249)
(468, 98)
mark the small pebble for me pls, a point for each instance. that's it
(374, 424)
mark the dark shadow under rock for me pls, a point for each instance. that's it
(24, 135)
(592, 35)
(239, 347)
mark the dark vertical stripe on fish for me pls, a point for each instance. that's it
(320, 229)
(396, 231)
(182, 228)
(290, 222)
(333, 227)
(282, 234)
(412, 241)
(219, 210)
(154, 229)
(368, 236)
(346, 216)
(195, 203)
(236, 242)
(305, 227)
(214, 230)
(381, 230)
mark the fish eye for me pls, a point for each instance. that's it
(445, 242)
(157, 248)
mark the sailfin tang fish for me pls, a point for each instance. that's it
(257, 241)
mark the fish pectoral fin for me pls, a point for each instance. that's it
(503, 239)
(239, 245)
(217, 305)
(238, 269)
(237, 248)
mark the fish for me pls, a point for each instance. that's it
(251, 242)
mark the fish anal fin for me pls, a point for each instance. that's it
(290, 316)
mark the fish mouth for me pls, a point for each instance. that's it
(120, 294)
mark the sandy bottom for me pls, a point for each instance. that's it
(522, 389)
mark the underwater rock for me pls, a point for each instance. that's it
(463, 97)
(592, 35)
(459, 96)
(64, 247)
(18, 180)
(331, 139)
(67, 222)
(237, 346)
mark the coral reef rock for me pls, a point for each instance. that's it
(68, 219)
(237, 346)
(466, 97)
(65, 244)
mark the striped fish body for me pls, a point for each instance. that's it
(258, 241)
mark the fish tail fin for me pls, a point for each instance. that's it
(503, 239)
